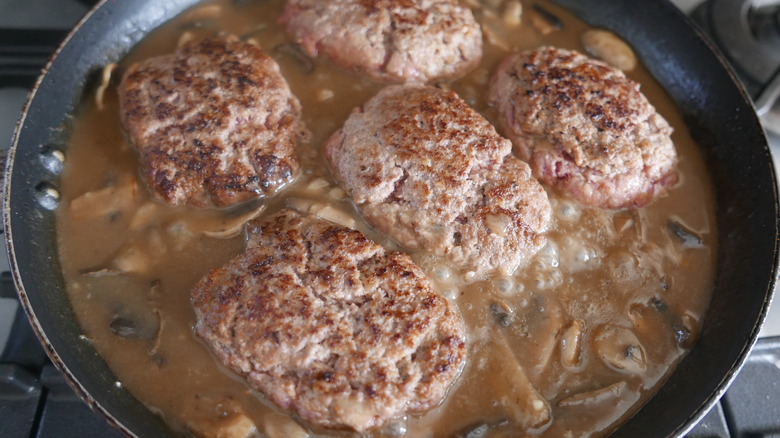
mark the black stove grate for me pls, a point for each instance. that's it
(35, 399)
(24, 52)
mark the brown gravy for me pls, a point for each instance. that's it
(582, 337)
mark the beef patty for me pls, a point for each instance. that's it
(214, 124)
(389, 40)
(433, 174)
(328, 324)
(584, 127)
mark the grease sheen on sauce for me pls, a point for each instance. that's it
(595, 321)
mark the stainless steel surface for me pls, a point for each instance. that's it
(766, 100)
(731, 23)
(772, 324)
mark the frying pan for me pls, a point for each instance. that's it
(716, 109)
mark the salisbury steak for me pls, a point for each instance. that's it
(214, 123)
(584, 127)
(433, 174)
(390, 40)
(328, 324)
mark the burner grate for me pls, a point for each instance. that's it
(24, 53)
(35, 399)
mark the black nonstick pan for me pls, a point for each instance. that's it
(716, 109)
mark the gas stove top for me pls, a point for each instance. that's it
(35, 401)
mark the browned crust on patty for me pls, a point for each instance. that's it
(584, 127)
(214, 124)
(433, 174)
(330, 325)
(389, 40)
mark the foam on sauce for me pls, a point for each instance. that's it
(568, 346)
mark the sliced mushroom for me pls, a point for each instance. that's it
(495, 39)
(686, 237)
(659, 304)
(571, 344)
(503, 312)
(513, 13)
(641, 317)
(105, 81)
(612, 392)
(525, 405)
(545, 21)
(337, 193)
(630, 221)
(686, 332)
(145, 215)
(98, 272)
(322, 210)
(133, 260)
(623, 221)
(302, 205)
(325, 94)
(610, 48)
(125, 327)
(185, 37)
(337, 216)
(296, 52)
(229, 421)
(656, 317)
(156, 340)
(546, 322)
(239, 426)
(134, 324)
(107, 202)
(141, 255)
(206, 12)
(620, 349)
(229, 225)
(226, 233)
(317, 185)
(181, 235)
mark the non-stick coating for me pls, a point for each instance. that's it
(716, 109)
